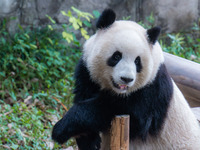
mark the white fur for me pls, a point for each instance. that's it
(181, 129)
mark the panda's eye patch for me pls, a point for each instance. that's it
(137, 60)
(138, 64)
(114, 59)
(117, 56)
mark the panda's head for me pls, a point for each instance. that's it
(122, 56)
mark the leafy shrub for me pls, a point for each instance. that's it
(33, 61)
(37, 63)
(186, 45)
(183, 44)
(36, 60)
(75, 23)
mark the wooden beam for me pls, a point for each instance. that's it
(186, 74)
(119, 139)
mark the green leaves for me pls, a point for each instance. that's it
(38, 54)
(96, 13)
(84, 33)
(183, 45)
(52, 21)
(77, 22)
(82, 14)
(22, 127)
(67, 36)
(177, 42)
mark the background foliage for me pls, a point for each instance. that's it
(185, 44)
(36, 75)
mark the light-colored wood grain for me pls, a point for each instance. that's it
(115, 134)
(119, 139)
(124, 139)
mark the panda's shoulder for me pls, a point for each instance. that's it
(85, 88)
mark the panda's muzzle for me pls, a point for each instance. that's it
(126, 80)
(121, 86)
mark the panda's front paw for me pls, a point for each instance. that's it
(60, 133)
(90, 141)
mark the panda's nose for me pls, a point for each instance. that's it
(126, 80)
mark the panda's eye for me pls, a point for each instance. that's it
(137, 60)
(117, 56)
(114, 59)
(138, 64)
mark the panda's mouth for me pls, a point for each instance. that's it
(119, 86)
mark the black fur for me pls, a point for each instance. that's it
(153, 34)
(114, 59)
(85, 87)
(106, 19)
(126, 80)
(93, 111)
(91, 141)
(138, 64)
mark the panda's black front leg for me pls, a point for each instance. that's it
(84, 120)
(90, 141)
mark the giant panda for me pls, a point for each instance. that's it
(122, 71)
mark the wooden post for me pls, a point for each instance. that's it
(119, 139)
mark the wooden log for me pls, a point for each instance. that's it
(186, 74)
(119, 139)
(124, 139)
(115, 134)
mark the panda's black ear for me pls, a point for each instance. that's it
(153, 34)
(106, 19)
